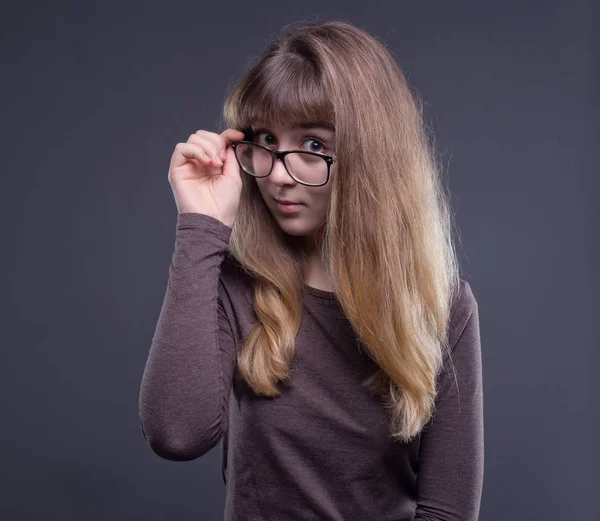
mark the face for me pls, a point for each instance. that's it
(311, 213)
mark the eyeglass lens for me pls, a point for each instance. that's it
(306, 168)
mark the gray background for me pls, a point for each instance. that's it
(95, 97)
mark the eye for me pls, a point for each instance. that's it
(315, 140)
(268, 141)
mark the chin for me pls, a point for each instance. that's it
(298, 231)
(294, 227)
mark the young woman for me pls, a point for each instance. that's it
(331, 343)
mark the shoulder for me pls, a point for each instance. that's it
(464, 305)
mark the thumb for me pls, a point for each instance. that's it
(231, 168)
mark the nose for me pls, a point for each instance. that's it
(279, 173)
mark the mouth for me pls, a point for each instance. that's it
(280, 201)
(288, 207)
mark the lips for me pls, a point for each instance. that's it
(287, 202)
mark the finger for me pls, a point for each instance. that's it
(227, 137)
(206, 142)
(231, 134)
(192, 151)
(219, 142)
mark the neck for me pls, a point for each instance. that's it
(316, 274)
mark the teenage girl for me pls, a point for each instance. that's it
(314, 319)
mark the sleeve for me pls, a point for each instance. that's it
(451, 451)
(184, 392)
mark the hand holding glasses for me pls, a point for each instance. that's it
(204, 177)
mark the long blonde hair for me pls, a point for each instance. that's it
(387, 244)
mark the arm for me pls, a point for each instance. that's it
(451, 453)
(185, 387)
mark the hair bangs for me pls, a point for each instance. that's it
(285, 94)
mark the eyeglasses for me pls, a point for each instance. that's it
(307, 168)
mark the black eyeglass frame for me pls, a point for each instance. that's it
(280, 154)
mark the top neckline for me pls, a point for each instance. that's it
(319, 292)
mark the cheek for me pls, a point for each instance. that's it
(318, 206)
(262, 186)
(323, 196)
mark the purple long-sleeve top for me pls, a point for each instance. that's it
(321, 450)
